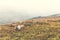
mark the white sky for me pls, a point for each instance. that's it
(31, 7)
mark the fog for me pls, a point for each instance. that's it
(18, 10)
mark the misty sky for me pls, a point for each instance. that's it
(29, 7)
(16, 10)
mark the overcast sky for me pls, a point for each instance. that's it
(30, 7)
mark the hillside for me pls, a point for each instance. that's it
(47, 28)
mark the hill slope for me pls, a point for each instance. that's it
(40, 29)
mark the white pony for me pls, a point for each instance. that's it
(18, 27)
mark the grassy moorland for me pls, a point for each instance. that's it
(39, 30)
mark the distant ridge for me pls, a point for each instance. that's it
(36, 17)
(52, 16)
(56, 15)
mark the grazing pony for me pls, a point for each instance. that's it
(18, 27)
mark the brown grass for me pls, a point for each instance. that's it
(41, 29)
